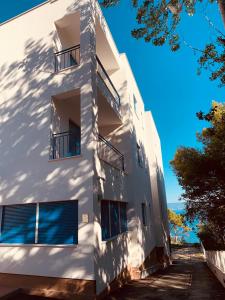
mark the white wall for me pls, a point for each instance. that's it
(27, 83)
(216, 262)
(129, 249)
(159, 204)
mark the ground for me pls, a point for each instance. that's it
(188, 278)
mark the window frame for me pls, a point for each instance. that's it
(139, 155)
(144, 214)
(36, 244)
(135, 103)
(120, 231)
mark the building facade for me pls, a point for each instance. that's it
(82, 197)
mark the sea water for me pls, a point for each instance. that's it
(190, 236)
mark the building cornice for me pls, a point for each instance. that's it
(27, 11)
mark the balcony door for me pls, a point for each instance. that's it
(74, 138)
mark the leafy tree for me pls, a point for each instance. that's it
(158, 20)
(210, 241)
(177, 224)
(201, 172)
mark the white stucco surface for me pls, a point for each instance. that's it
(216, 262)
(34, 100)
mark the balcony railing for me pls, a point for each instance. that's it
(108, 83)
(67, 58)
(108, 153)
(64, 144)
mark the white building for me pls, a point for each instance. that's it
(82, 197)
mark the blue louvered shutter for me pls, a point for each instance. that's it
(18, 224)
(58, 223)
(105, 220)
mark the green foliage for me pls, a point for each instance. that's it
(176, 220)
(201, 173)
(208, 238)
(157, 23)
(213, 58)
(177, 223)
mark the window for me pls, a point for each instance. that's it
(113, 218)
(143, 211)
(74, 139)
(123, 217)
(18, 224)
(139, 156)
(105, 220)
(58, 223)
(44, 223)
(135, 104)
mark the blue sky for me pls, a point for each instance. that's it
(168, 81)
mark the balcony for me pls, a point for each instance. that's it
(109, 154)
(105, 83)
(67, 58)
(64, 144)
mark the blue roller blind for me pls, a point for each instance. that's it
(18, 224)
(105, 220)
(58, 222)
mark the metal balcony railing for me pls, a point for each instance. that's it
(108, 83)
(108, 153)
(64, 144)
(67, 58)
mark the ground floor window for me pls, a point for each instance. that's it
(44, 223)
(113, 218)
(18, 224)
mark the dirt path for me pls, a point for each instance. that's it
(188, 278)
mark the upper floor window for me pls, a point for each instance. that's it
(143, 212)
(67, 41)
(135, 104)
(65, 126)
(113, 218)
(139, 156)
(44, 223)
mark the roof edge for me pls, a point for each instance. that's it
(26, 11)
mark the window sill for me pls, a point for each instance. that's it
(65, 158)
(39, 245)
(115, 237)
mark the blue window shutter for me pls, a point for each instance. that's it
(114, 218)
(123, 217)
(105, 220)
(58, 222)
(18, 224)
